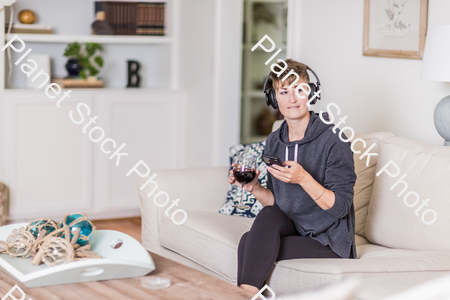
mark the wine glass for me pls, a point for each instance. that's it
(244, 172)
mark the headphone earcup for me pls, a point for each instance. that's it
(313, 90)
(267, 95)
(273, 98)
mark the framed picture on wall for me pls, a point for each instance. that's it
(395, 28)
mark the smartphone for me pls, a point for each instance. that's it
(272, 160)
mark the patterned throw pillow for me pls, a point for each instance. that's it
(233, 196)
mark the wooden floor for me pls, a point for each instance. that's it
(130, 226)
(186, 283)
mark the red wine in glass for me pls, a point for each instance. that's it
(245, 176)
(244, 172)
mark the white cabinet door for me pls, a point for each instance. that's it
(48, 157)
(152, 126)
(53, 168)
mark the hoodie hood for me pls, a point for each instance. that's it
(313, 130)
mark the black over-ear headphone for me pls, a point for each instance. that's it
(271, 100)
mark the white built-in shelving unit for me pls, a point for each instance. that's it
(50, 165)
(157, 54)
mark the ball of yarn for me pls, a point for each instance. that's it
(36, 226)
(57, 251)
(19, 243)
(75, 221)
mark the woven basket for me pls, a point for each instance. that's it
(4, 202)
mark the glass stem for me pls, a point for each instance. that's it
(242, 196)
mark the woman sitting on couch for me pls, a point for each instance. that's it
(308, 205)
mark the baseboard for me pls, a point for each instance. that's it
(91, 215)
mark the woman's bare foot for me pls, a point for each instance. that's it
(252, 289)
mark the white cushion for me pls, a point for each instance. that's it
(345, 290)
(396, 286)
(365, 176)
(390, 222)
(399, 284)
(436, 289)
(210, 239)
(299, 274)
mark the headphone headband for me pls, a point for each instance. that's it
(315, 75)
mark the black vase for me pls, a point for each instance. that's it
(73, 66)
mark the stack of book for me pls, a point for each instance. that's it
(29, 28)
(133, 18)
(150, 19)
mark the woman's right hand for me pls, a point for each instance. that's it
(249, 186)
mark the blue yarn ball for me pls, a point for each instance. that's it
(34, 230)
(86, 228)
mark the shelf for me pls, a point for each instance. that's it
(101, 39)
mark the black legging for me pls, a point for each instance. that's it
(273, 238)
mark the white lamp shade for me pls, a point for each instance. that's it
(436, 57)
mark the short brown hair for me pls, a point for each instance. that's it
(297, 67)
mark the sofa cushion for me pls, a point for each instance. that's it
(234, 194)
(392, 220)
(210, 239)
(344, 290)
(399, 286)
(365, 176)
(373, 261)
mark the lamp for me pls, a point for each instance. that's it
(436, 67)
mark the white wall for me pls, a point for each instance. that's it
(377, 94)
(210, 52)
(228, 56)
(196, 77)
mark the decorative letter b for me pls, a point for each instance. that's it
(133, 78)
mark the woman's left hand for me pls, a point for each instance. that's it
(294, 174)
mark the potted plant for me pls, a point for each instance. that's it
(83, 62)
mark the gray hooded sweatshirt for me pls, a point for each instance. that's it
(330, 162)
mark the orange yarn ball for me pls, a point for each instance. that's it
(27, 16)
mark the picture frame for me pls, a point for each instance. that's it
(395, 28)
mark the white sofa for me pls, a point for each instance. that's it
(396, 249)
